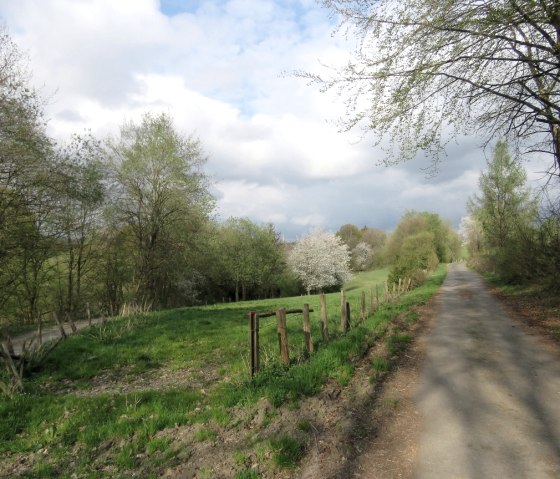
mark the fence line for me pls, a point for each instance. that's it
(389, 296)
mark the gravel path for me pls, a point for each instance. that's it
(50, 333)
(489, 393)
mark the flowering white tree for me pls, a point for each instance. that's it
(320, 259)
(361, 255)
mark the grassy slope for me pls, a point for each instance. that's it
(205, 341)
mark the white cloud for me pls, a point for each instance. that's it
(218, 70)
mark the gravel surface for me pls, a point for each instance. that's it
(489, 393)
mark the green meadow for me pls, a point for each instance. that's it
(124, 382)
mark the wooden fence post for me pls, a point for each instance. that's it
(253, 341)
(363, 307)
(324, 320)
(347, 316)
(307, 329)
(377, 294)
(343, 309)
(282, 336)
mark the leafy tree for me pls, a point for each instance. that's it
(423, 68)
(505, 202)
(375, 237)
(80, 196)
(350, 235)
(250, 256)
(416, 257)
(320, 260)
(161, 196)
(361, 256)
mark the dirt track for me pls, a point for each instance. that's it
(489, 393)
(49, 333)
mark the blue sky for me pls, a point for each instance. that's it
(219, 69)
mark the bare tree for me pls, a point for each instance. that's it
(425, 71)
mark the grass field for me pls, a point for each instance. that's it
(116, 387)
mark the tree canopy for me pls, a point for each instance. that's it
(320, 260)
(424, 71)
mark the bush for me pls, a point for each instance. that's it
(416, 257)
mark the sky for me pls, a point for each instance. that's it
(223, 70)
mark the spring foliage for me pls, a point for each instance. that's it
(320, 260)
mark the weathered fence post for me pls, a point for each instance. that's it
(282, 335)
(347, 316)
(324, 320)
(307, 329)
(254, 342)
(343, 309)
(377, 294)
(363, 307)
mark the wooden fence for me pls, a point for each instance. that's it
(390, 294)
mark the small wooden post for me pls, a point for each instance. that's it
(324, 320)
(307, 329)
(377, 294)
(60, 326)
(343, 309)
(253, 341)
(282, 336)
(363, 307)
(257, 359)
(88, 312)
(386, 292)
(347, 316)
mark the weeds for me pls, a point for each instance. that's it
(286, 451)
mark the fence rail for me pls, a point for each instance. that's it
(390, 294)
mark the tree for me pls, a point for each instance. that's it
(320, 260)
(80, 196)
(161, 196)
(362, 256)
(250, 256)
(424, 70)
(471, 234)
(505, 202)
(416, 257)
(350, 235)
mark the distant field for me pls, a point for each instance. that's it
(136, 376)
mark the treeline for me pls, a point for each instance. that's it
(127, 221)
(512, 231)
(419, 243)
